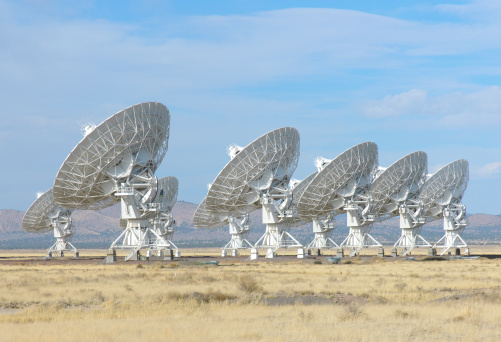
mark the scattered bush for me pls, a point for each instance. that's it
(350, 312)
(248, 284)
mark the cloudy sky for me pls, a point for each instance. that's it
(408, 75)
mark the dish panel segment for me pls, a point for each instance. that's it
(205, 219)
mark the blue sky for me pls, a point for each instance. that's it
(408, 75)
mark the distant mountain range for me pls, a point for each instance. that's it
(98, 229)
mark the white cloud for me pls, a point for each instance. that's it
(489, 169)
(482, 9)
(412, 102)
(479, 108)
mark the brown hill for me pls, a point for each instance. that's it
(99, 229)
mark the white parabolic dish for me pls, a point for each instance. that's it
(444, 187)
(268, 160)
(337, 180)
(204, 219)
(396, 183)
(167, 192)
(36, 219)
(125, 145)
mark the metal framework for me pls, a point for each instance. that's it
(442, 194)
(45, 215)
(257, 176)
(116, 161)
(395, 192)
(342, 184)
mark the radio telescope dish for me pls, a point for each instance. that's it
(45, 215)
(395, 191)
(116, 161)
(442, 194)
(131, 143)
(167, 192)
(262, 165)
(393, 186)
(445, 187)
(342, 184)
(257, 176)
(337, 180)
(238, 227)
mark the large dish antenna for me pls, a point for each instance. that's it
(45, 215)
(116, 161)
(442, 194)
(395, 191)
(342, 184)
(257, 176)
(130, 144)
(264, 164)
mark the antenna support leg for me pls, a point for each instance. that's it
(411, 239)
(359, 238)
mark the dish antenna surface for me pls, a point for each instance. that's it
(395, 192)
(442, 196)
(45, 215)
(342, 185)
(116, 161)
(257, 176)
(239, 227)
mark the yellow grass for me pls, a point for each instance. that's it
(377, 300)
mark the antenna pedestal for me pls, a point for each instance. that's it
(411, 230)
(239, 231)
(323, 231)
(138, 232)
(163, 229)
(359, 238)
(360, 228)
(454, 227)
(277, 235)
(411, 239)
(63, 237)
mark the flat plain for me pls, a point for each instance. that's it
(365, 298)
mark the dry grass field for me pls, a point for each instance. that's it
(364, 298)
